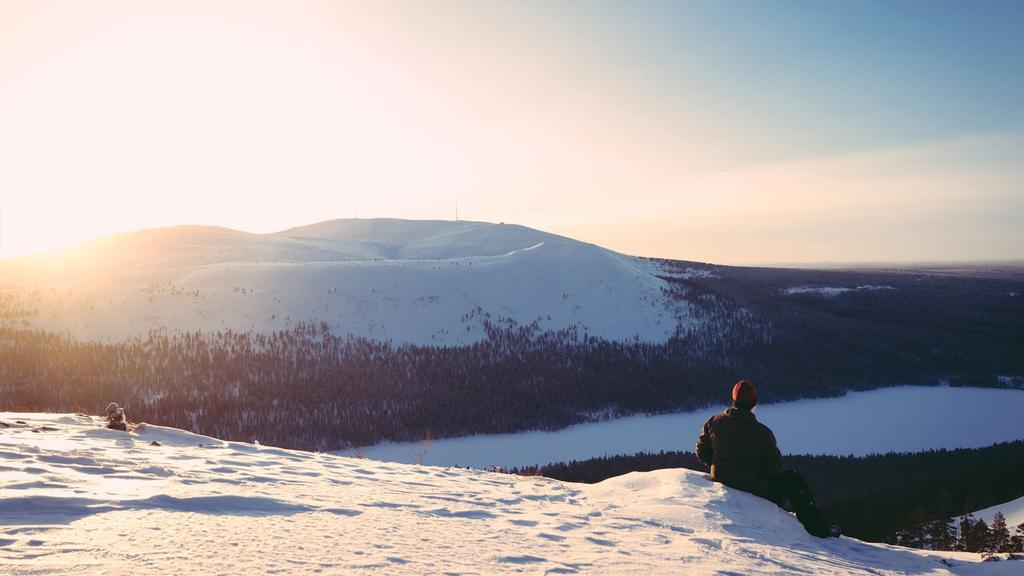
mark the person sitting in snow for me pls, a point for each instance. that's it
(743, 454)
(115, 417)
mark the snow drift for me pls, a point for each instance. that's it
(76, 498)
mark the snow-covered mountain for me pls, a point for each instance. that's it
(76, 498)
(427, 282)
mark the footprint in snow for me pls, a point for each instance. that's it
(412, 483)
(298, 472)
(525, 559)
(223, 470)
(471, 514)
(600, 541)
(37, 484)
(342, 511)
(392, 505)
(708, 542)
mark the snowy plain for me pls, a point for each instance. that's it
(76, 498)
(903, 419)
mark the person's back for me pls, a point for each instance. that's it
(743, 454)
(741, 451)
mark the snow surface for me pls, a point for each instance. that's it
(1012, 510)
(903, 419)
(79, 499)
(424, 282)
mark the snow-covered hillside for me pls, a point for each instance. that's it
(427, 282)
(1012, 510)
(79, 499)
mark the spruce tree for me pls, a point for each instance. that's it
(941, 534)
(1017, 540)
(978, 539)
(998, 534)
(974, 534)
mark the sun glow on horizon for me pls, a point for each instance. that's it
(641, 129)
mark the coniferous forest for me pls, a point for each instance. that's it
(308, 388)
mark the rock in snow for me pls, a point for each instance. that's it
(82, 499)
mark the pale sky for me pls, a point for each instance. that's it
(728, 132)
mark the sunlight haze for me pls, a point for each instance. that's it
(727, 132)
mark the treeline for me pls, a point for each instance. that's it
(905, 326)
(894, 498)
(306, 388)
(965, 534)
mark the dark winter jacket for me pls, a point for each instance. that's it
(740, 450)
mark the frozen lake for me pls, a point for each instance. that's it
(901, 419)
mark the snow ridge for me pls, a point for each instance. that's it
(79, 499)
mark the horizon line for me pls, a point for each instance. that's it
(1016, 262)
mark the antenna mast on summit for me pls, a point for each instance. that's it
(456, 210)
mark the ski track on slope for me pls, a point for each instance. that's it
(79, 499)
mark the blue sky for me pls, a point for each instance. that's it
(827, 76)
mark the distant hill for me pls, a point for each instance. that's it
(424, 282)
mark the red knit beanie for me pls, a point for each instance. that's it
(744, 394)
